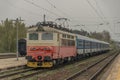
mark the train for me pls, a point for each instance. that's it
(49, 44)
(22, 47)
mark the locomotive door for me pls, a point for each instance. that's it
(59, 41)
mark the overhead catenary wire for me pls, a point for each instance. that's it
(58, 9)
(95, 10)
(102, 14)
(99, 8)
(101, 11)
(40, 7)
(26, 10)
(54, 6)
(61, 11)
(43, 7)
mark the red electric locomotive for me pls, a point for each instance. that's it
(47, 45)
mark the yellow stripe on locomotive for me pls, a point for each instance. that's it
(39, 64)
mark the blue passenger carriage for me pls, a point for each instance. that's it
(88, 46)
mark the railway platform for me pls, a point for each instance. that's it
(12, 62)
(113, 73)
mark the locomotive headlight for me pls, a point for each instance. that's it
(39, 57)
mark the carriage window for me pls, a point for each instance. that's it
(68, 36)
(33, 36)
(80, 43)
(47, 36)
(72, 37)
(64, 35)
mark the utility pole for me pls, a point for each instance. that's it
(17, 20)
(44, 17)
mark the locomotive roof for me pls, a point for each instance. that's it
(48, 29)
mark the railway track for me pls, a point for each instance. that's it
(6, 55)
(28, 74)
(12, 68)
(19, 73)
(57, 73)
(92, 71)
(10, 71)
(24, 72)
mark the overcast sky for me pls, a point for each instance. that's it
(90, 13)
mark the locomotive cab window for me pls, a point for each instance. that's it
(33, 36)
(47, 36)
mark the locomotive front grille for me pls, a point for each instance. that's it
(39, 63)
(47, 58)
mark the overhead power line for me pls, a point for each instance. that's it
(54, 6)
(100, 10)
(51, 4)
(24, 10)
(95, 10)
(40, 7)
(107, 22)
(27, 11)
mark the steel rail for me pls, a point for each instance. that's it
(84, 70)
(14, 73)
(12, 67)
(31, 74)
(101, 69)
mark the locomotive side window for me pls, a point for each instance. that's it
(66, 42)
(33, 36)
(47, 36)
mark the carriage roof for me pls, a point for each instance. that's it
(90, 39)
